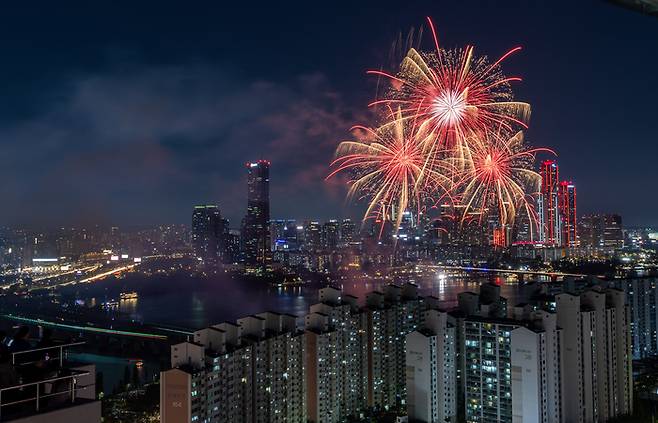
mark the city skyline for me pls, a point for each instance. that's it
(294, 212)
(186, 150)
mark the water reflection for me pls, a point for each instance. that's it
(190, 302)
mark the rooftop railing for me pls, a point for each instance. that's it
(30, 398)
(42, 382)
(60, 349)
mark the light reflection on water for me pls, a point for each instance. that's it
(195, 303)
(118, 371)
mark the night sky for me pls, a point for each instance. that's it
(131, 112)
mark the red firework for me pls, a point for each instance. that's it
(497, 175)
(453, 93)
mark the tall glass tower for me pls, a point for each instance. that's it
(568, 214)
(549, 231)
(258, 253)
(207, 234)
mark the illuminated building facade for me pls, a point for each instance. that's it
(511, 368)
(549, 230)
(473, 364)
(256, 233)
(348, 231)
(487, 372)
(330, 234)
(336, 380)
(390, 316)
(642, 300)
(312, 235)
(252, 371)
(568, 216)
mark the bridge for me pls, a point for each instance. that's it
(99, 330)
(552, 275)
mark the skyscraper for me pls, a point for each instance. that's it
(312, 235)
(601, 231)
(567, 203)
(207, 232)
(258, 255)
(549, 227)
(613, 237)
(330, 234)
(347, 231)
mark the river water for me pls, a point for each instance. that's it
(190, 302)
(194, 302)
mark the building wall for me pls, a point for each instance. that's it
(175, 396)
(526, 376)
(421, 368)
(430, 370)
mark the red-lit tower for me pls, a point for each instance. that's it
(549, 230)
(567, 201)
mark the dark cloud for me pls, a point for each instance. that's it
(142, 145)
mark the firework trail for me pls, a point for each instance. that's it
(389, 166)
(498, 176)
(450, 131)
(453, 93)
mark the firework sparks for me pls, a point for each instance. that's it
(445, 133)
(453, 93)
(389, 166)
(498, 175)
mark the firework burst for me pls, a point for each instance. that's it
(451, 132)
(498, 176)
(389, 166)
(453, 93)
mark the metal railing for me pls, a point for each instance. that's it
(40, 392)
(60, 348)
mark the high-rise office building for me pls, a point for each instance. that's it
(284, 234)
(613, 236)
(567, 208)
(601, 231)
(347, 231)
(232, 246)
(549, 220)
(590, 231)
(312, 236)
(207, 234)
(258, 253)
(330, 234)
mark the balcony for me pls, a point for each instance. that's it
(41, 386)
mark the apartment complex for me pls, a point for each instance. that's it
(481, 362)
(642, 302)
(252, 371)
(431, 370)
